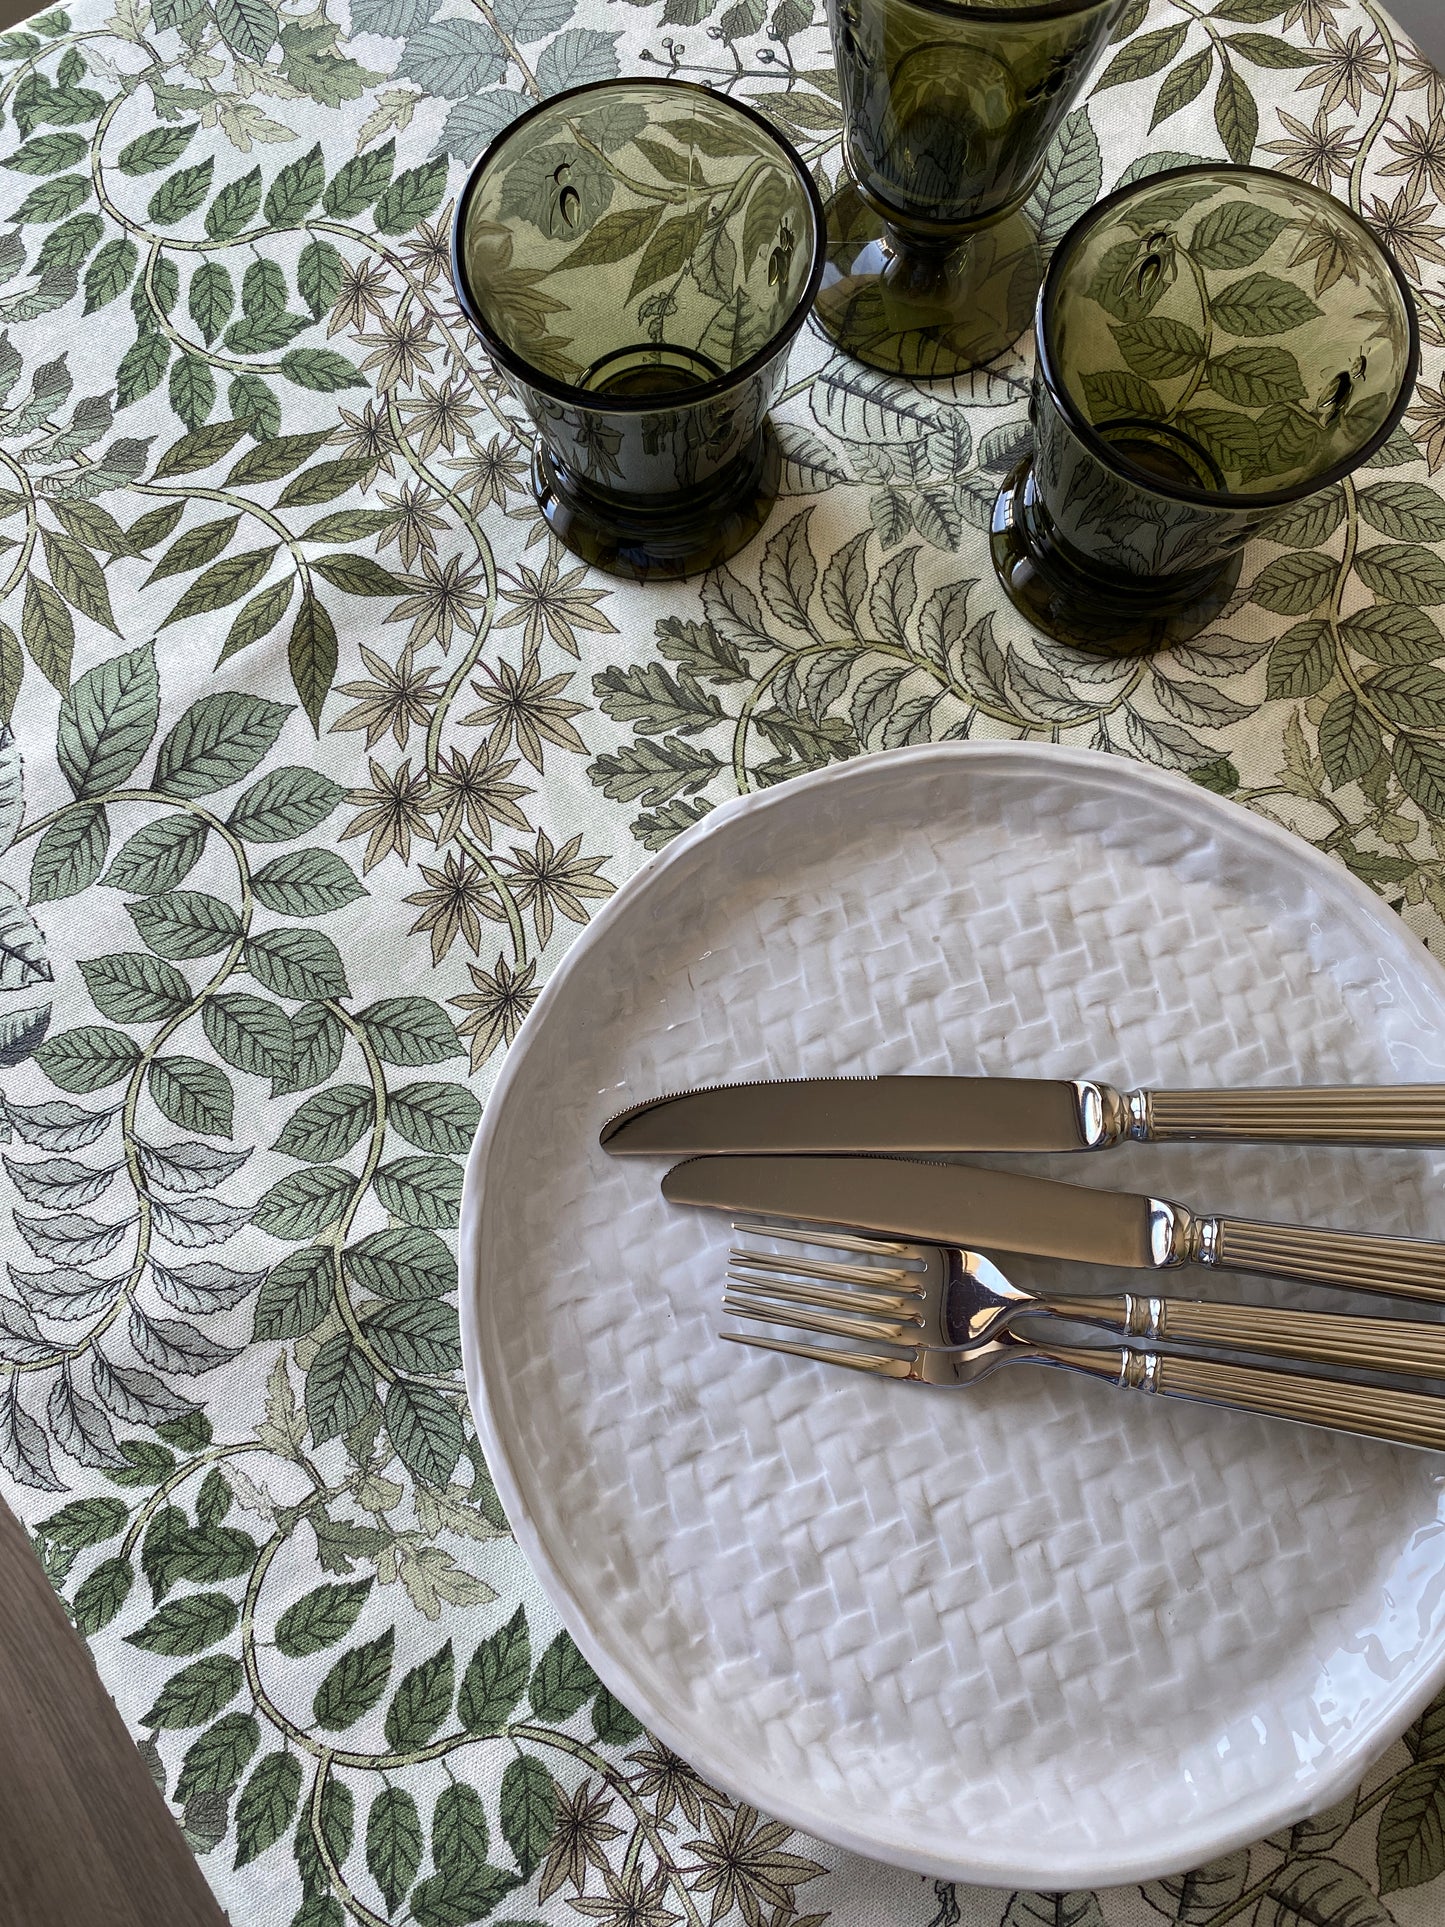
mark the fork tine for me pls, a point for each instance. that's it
(818, 1268)
(855, 1361)
(797, 1292)
(766, 1313)
(841, 1240)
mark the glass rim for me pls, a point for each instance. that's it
(587, 398)
(1063, 399)
(1015, 13)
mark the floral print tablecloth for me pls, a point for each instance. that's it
(317, 755)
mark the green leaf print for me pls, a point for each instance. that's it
(355, 1683)
(320, 1619)
(394, 1843)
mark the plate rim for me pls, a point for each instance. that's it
(1194, 1845)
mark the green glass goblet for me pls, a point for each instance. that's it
(948, 109)
(637, 256)
(1214, 344)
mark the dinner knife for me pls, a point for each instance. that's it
(960, 1204)
(905, 1115)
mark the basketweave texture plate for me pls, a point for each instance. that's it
(1044, 1633)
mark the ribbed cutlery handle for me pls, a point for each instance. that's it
(1327, 1114)
(1374, 1412)
(1369, 1411)
(1314, 1337)
(1398, 1267)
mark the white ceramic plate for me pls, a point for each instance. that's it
(1044, 1633)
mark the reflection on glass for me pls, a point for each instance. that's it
(638, 256)
(1213, 343)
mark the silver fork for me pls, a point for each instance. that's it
(943, 1295)
(949, 1313)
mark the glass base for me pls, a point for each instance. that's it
(1110, 615)
(925, 306)
(670, 536)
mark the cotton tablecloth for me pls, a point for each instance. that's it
(321, 754)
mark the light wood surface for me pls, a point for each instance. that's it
(85, 1839)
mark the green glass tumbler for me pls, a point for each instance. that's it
(948, 110)
(637, 256)
(1214, 343)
